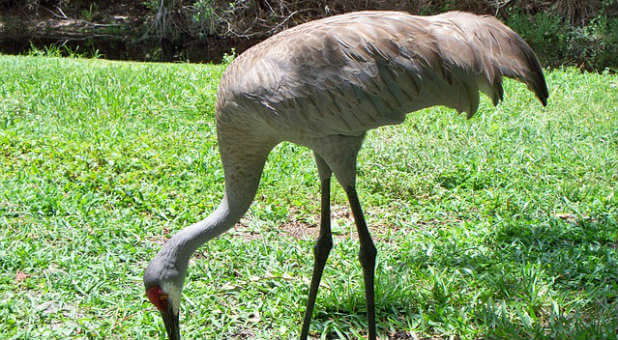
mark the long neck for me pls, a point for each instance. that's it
(184, 243)
(192, 237)
(242, 175)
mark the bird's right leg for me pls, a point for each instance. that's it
(342, 161)
(367, 257)
(323, 245)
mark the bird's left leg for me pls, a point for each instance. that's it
(323, 245)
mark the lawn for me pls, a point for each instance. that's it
(502, 226)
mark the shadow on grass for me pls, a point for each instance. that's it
(563, 280)
(549, 279)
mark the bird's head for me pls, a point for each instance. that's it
(163, 283)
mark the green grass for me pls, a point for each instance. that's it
(502, 226)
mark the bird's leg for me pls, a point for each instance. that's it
(322, 247)
(367, 257)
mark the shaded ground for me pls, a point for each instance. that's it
(113, 32)
(565, 32)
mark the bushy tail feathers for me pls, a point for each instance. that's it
(492, 50)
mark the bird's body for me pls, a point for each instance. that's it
(323, 84)
(351, 73)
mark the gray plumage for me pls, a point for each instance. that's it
(323, 84)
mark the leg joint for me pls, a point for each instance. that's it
(323, 246)
(367, 255)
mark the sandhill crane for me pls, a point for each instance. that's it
(323, 84)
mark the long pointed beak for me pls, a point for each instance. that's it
(170, 319)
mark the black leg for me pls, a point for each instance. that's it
(320, 250)
(367, 257)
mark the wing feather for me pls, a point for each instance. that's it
(349, 73)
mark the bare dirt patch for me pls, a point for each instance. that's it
(342, 226)
(160, 239)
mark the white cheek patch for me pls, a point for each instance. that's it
(173, 295)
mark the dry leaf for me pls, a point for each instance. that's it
(21, 276)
